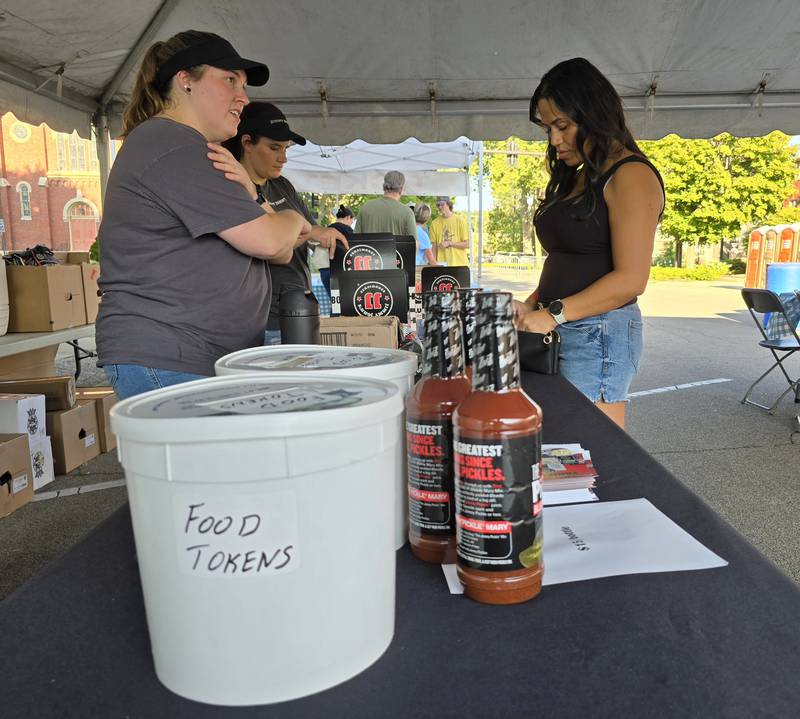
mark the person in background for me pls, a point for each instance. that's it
(422, 213)
(449, 235)
(184, 247)
(345, 218)
(261, 142)
(387, 213)
(598, 223)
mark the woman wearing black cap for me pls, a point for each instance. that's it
(184, 247)
(261, 142)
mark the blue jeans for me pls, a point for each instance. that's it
(131, 379)
(600, 354)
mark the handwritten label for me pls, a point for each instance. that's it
(238, 536)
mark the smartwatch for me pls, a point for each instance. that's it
(556, 310)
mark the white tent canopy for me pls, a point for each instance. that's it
(359, 167)
(432, 69)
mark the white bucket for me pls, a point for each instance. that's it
(295, 590)
(397, 366)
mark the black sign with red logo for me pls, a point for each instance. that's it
(444, 279)
(379, 293)
(407, 260)
(366, 253)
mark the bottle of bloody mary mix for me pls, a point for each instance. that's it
(429, 430)
(467, 296)
(497, 454)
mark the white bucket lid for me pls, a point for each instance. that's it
(255, 406)
(375, 362)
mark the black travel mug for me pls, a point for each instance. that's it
(299, 317)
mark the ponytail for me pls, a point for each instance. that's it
(147, 100)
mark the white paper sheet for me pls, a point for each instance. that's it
(553, 497)
(606, 539)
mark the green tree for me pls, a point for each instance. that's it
(719, 187)
(326, 205)
(518, 175)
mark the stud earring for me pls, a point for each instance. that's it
(187, 88)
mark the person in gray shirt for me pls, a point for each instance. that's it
(184, 245)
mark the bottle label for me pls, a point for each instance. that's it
(430, 476)
(498, 502)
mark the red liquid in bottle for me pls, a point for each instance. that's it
(429, 431)
(497, 453)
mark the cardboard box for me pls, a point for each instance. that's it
(73, 433)
(90, 273)
(59, 392)
(22, 414)
(73, 258)
(42, 462)
(91, 290)
(16, 476)
(33, 363)
(104, 399)
(44, 299)
(359, 331)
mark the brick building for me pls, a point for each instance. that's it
(49, 187)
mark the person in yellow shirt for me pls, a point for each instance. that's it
(449, 235)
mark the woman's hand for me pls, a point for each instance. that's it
(326, 237)
(227, 163)
(540, 321)
(520, 308)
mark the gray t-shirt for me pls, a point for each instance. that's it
(176, 296)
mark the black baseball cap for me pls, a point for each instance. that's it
(216, 52)
(267, 120)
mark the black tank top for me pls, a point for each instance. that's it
(579, 250)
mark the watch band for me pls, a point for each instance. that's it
(556, 310)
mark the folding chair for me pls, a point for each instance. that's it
(782, 342)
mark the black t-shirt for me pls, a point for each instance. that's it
(346, 230)
(578, 250)
(282, 196)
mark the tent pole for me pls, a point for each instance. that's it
(480, 210)
(469, 224)
(100, 122)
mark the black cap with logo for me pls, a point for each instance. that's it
(267, 120)
(216, 52)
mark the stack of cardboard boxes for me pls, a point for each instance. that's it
(53, 297)
(62, 428)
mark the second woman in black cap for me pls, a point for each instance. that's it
(260, 145)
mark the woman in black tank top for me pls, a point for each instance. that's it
(597, 223)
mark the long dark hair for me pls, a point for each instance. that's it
(580, 90)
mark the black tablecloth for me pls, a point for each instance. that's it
(714, 643)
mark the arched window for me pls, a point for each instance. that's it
(81, 209)
(24, 190)
(77, 153)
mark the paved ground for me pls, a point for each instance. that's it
(740, 460)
